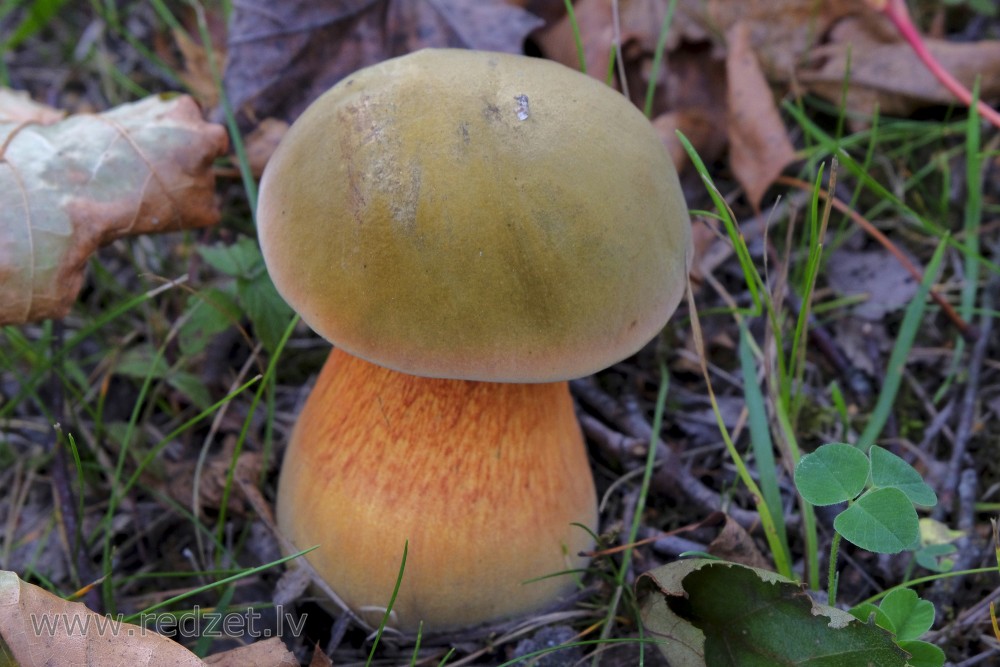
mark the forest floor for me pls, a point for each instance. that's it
(141, 435)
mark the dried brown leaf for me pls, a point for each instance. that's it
(780, 32)
(266, 653)
(70, 187)
(759, 145)
(39, 628)
(197, 71)
(280, 61)
(213, 480)
(320, 659)
(705, 130)
(734, 544)
(594, 20)
(640, 22)
(874, 274)
(16, 106)
(885, 71)
(262, 141)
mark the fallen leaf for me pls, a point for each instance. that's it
(759, 148)
(594, 21)
(279, 62)
(874, 274)
(884, 70)
(70, 187)
(706, 134)
(39, 628)
(320, 659)
(197, 71)
(266, 653)
(726, 615)
(780, 32)
(213, 480)
(734, 544)
(694, 88)
(16, 106)
(262, 141)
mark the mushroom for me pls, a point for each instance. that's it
(470, 230)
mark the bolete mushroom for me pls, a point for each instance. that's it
(469, 230)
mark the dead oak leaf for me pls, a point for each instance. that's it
(39, 628)
(780, 33)
(283, 56)
(16, 106)
(72, 186)
(759, 147)
(884, 70)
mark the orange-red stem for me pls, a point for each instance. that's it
(483, 480)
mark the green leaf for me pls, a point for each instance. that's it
(911, 617)
(239, 260)
(834, 473)
(889, 470)
(138, 363)
(268, 312)
(882, 521)
(935, 557)
(209, 313)
(864, 611)
(192, 387)
(923, 654)
(754, 618)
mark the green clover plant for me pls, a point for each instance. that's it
(904, 614)
(881, 491)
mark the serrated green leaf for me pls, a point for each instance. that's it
(881, 521)
(889, 470)
(140, 362)
(923, 654)
(911, 617)
(241, 259)
(209, 313)
(191, 387)
(268, 312)
(834, 473)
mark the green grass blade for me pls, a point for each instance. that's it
(267, 380)
(661, 47)
(763, 446)
(215, 584)
(766, 519)
(897, 359)
(750, 273)
(581, 55)
(640, 504)
(388, 608)
(809, 531)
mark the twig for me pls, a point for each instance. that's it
(967, 410)
(672, 477)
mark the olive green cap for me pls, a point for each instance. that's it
(476, 215)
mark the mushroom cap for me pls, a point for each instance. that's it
(476, 215)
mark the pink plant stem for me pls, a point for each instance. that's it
(898, 13)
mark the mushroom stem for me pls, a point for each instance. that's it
(483, 480)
